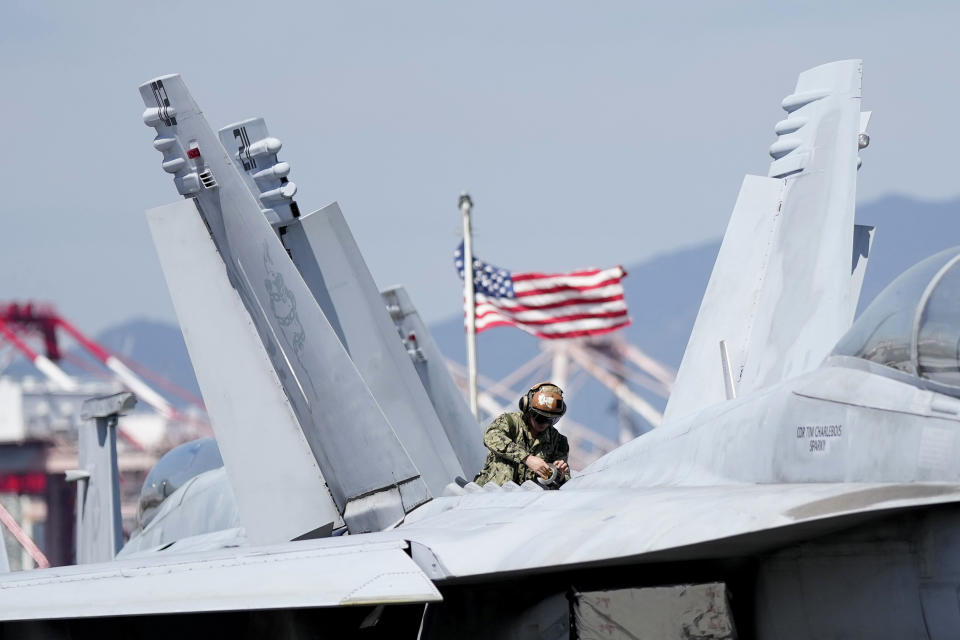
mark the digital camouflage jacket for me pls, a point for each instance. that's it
(509, 440)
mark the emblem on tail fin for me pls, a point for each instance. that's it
(283, 306)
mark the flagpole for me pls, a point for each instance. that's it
(465, 205)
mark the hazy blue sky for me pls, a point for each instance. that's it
(587, 133)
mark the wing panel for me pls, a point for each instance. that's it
(324, 251)
(256, 578)
(328, 395)
(243, 396)
(462, 429)
(581, 527)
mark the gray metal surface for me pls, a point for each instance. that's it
(232, 580)
(99, 533)
(836, 424)
(326, 255)
(259, 436)
(728, 306)
(811, 294)
(323, 386)
(894, 579)
(254, 154)
(782, 291)
(459, 424)
(106, 406)
(490, 534)
(486, 535)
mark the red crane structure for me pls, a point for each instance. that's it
(22, 321)
(35, 330)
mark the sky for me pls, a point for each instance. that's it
(587, 134)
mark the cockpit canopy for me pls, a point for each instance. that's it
(172, 471)
(914, 324)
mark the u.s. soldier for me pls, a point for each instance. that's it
(523, 443)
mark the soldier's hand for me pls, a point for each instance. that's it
(538, 466)
(562, 466)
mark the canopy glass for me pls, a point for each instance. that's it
(914, 324)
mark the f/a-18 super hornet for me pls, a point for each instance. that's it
(804, 482)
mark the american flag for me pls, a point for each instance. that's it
(548, 305)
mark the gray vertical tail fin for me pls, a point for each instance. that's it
(371, 477)
(459, 424)
(242, 391)
(327, 257)
(98, 528)
(783, 290)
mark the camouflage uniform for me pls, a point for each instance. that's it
(509, 440)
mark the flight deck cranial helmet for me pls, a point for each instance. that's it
(544, 400)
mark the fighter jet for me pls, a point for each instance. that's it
(804, 482)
